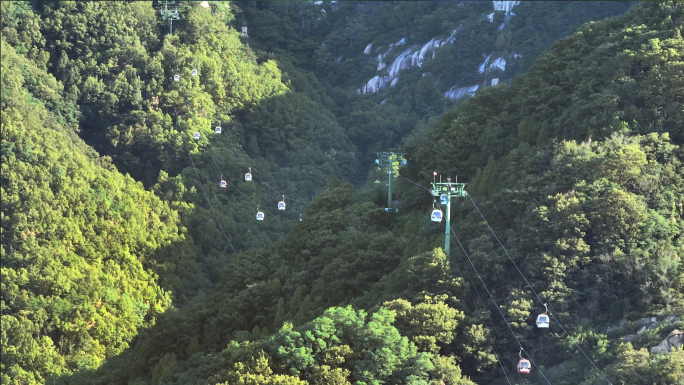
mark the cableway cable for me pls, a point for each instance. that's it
(235, 187)
(497, 306)
(419, 170)
(421, 186)
(527, 282)
(482, 301)
(460, 272)
(254, 173)
(207, 198)
(533, 291)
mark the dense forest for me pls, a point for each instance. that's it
(125, 260)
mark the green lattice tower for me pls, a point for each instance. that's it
(388, 160)
(169, 15)
(451, 190)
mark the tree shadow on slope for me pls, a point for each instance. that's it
(336, 254)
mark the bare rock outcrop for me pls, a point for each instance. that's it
(673, 340)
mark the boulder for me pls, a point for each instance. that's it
(662, 348)
(629, 338)
(646, 321)
(674, 340)
(612, 328)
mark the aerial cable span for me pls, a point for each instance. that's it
(420, 171)
(421, 186)
(527, 282)
(483, 303)
(523, 364)
(522, 349)
(207, 198)
(202, 186)
(535, 293)
(498, 354)
(235, 187)
(254, 173)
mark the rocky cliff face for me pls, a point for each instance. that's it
(644, 330)
(477, 45)
(674, 340)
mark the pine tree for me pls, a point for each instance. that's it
(544, 133)
(280, 314)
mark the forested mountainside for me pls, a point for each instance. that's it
(125, 262)
(389, 66)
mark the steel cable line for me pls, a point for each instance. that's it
(423, 187)
(528, 284)
(493, 328)
(420, 171)
(207, 198)
(254, 173)
(497, 306)
(243, 194)
(202, 186)
(473, 299)
(535, 293)
(272, 189)
(475, 304)
(483, 303)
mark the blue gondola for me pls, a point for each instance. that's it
(436, 215)
(543, 319)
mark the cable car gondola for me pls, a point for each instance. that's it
(436, 214)
(223, 184)
(259, 215)
(217, 129)
(248, 176)
(543, 319)
(524, 365)
(281, 204)
(193, 72)
(196, 135)
(176, 77)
